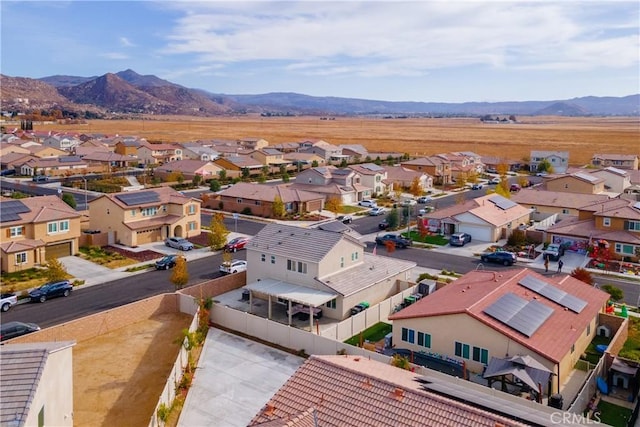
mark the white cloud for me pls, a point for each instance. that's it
(125, 42)
(114, 55)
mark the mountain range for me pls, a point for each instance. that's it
(128, 92)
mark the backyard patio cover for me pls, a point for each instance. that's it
(623, 368)
(291, 292)
(526, 368)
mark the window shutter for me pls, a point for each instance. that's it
(24, 230)
(8, 232)
(626, 225)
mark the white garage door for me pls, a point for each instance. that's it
(478, 232)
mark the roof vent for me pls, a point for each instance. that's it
(398, 393)
(269, 411)
(366, 383)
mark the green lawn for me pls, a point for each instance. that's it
(435, 239)
(613, 415)
(592, 354)
(631, 347)
(373, 334)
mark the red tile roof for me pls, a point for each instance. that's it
(477, 290)
(44, 209)
(352, 391)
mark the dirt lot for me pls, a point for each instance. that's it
(118, 377)
(581, 136)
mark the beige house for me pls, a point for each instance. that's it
(487, 314)
(437, 167)
(36, 386)
(331, 181)
(189, 169)
(6, 148)
(578, 182)
(329, 270)
(372, 176)
(403, 177)
(269, 157)
(158, 153)
(57, 166)
(35, 230)
(615, 180)
(559, 160)
(544, 201)
(146, 216)
(620, 161)
(44, 151)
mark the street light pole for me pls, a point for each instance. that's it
(86, 206)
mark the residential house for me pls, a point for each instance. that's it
(242, 162)
(614, 223)
(331, 181)
(188, 169)
(44, 151)
(14, 160)
(84, 150)
(319, 268)
(615, 180)
(355, 152)
(159, 153)
(559, 160)
(303, 160)
(463, 164)
(109, 159)
(36, 385)
(36, 229)
(269, 157)
(62, 142)
(259, 199)
(403, 177)
(252, 143)
(57, 166)
(548, 202)
(372, 176)
(231, 169)
(619, 161)
(287, 147)
(127, 147)
(437, 167)
(146, 216)
(487, 314)
(328, 152)
(578, 182)
(361, 391)
(492, 164)
(199, 152)
(6, 148)
(487, 219)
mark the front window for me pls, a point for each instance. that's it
(331, 304)
(408, 335)
(64, 226)
(632, 225)
(150, 211)
(263, 257)
(462, 350)
(481, 355)
(273, 259)
(15, 231)
(192, 226)
(625, 249)
(192, 209)
(21, 258)
(606, 221)
(52, 227)
(424, 340)
(341, 262)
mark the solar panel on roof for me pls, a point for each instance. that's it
(502, 202)
(586, 177)
(553, 293)
(519, 314)
(144, 197)
(15, 206)
(372, 167)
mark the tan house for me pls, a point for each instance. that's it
(615, 180)
(578, 182)
(334, 182)
(44, 151)
(487, 314)
(158, 153)
(372, 176)
(303, 160)
(146, 216)
(559, 160)
(259, 199)
(403, 177)
(35, 230)
(328, 270)
(127, 147)
(544, 201)
(328, 152)
(56, 166)
(437, 167)
(189, 169)
(251, 143)
(269, 157)
(620, 161)
(6, 148)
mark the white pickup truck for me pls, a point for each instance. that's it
(7, 301)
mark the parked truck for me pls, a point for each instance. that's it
(7, 301)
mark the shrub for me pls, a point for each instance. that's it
(246, 211)
(517, 238)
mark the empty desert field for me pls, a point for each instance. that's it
(581, 137)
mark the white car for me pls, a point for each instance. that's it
(367, 203)
(376, 211)
(409, 202)
(233, 266)
(179, 243)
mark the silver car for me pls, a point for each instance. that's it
(179, 243)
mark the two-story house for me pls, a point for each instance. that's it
(578, 182)
(547, 202)
(269, 157)
(333, 182)
(620, 161)
(127, 147)
(355, 152)
(463, 164)
(615, 180)
(372, 176)
(199, 152)
(559, 160)
(398, 176)
(437, 167)
(252, 143)
(159, 153)
(35, 230)
(328, 152)
(188, 169)
(319, 268)
(146, 216)
(62, 142)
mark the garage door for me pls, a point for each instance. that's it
(57, 251)
(148, 236)
(477, 232)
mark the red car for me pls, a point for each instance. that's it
(236, 244)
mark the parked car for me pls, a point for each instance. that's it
(40, 178)
(494, 181)
(7, 172)
(179, 243)
(7, 301)
(515, 187)
(233, 266)
(398, 240)
(376, 211)
(542, 174)
(384, 224)
(424, 199)
(426, 210)
(345, 219)
(236, 244)
(358, 308)
(459, 239)
(60, 288)
(499, 257)
(16, 329)
(368, 203)
(409, 202)
(477, 186)
(554, 252)
(166, 262)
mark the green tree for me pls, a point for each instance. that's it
(314, 164)
(218, 232)
(378, 161)
(277, 207)
(367, 159)
(615, 292)
(197, 180)
(333, 204)
(286, 177)
(392, 219)
(245, 174)
(545, 166)
(55, 270)
(69, 199)
(214, 185)
(222, 175)
(400, 362)
(343, 163)
(282, 169)
(180, 275)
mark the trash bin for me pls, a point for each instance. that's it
(245, 295)
(556, 401)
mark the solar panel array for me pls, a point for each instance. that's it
(10, 210)
(139, 198)
(586, 177)
(519, 314)
(372, 167)
(551, 292)
(502, 202)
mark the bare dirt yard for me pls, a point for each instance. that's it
(119, 376)
(581, 136)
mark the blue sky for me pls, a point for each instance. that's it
(431, 51)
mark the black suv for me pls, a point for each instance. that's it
(15, 329)
(499, 257)
(166, 262)
(61, 288)
(398, 240)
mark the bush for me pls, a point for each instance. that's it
(518, 238)
(246, 211)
